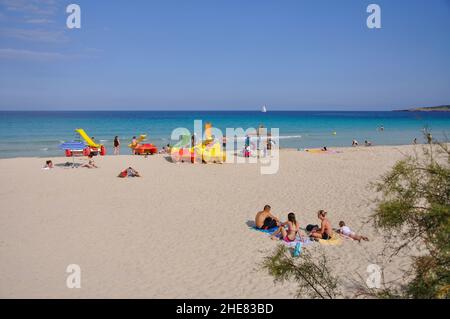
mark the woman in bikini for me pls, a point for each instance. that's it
(90, 163)
(291, 233)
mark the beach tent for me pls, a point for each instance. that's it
(73, 147)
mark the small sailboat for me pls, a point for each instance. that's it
(264, 110)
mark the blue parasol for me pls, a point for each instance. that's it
(72, 146)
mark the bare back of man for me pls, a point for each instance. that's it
(265, 220)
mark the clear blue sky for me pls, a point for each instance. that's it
(224, 54)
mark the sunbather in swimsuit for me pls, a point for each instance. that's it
(291, 233)
(265, 220)
(324, 232)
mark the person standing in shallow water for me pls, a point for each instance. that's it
(133, 145)
(116, 146)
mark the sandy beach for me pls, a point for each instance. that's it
(180, 231)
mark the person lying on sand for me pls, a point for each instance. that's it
(265, 220)
(325, 230)
(48, 164)
(90, 163)
(131, 172)
(346, 231)
(291, 233)
(367, 143)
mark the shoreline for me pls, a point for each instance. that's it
(337, 148)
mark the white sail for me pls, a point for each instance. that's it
(264, 110)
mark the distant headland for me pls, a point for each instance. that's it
(441, 108)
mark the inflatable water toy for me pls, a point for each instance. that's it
(143, 149)
(207, 150)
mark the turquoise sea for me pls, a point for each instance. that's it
(38, 134)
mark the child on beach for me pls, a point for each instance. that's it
(346, 231)
(292, 229)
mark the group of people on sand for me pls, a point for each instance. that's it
(289, 229)
(90, 163)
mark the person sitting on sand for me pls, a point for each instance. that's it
(290, 234)
(90, 163)
(48, 164)
(131, 172)
(367, 143)
(324, 149)
(346, 231)
(265, 220)
(325, 230)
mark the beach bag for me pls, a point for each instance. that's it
(123, 174)
(310, 227)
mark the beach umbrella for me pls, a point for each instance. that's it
(72, 146)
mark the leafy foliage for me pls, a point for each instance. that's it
(312, 275)
(415, 206)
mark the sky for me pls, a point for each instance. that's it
(224, 55)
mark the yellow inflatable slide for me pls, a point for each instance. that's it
(86, 138)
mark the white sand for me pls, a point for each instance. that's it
(181, 230)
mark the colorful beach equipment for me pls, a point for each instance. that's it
(73, 149)
(143, 148)
(92, 148)
(207, 150)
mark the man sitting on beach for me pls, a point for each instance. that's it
(325, 230)
(265, 220)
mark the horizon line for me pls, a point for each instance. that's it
(194, 110)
